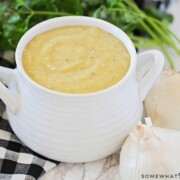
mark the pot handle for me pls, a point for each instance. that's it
(10, 99)
(149, 67)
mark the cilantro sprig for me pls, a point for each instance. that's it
(146, 28)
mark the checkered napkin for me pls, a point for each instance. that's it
(18, 162)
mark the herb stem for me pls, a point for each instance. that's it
(165, 28)
(142, 42)
(52, 13)
(124, 11)
(45, 13)
(153, 35)
(134, 7)
(161, 33)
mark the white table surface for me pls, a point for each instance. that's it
(107, 169)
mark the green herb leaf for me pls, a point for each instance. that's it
(3, 8)
(14, 18)
(72, 6)
(22, 3)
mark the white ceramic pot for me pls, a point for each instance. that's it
(72, 127)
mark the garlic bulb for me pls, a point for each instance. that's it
(163, 101)
(150, 153)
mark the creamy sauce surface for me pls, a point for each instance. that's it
(76, 59)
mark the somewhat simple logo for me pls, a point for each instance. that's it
(160, 176)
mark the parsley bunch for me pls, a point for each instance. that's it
(146, 28)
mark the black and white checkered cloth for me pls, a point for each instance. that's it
(17, 161)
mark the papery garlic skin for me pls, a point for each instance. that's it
(163, 101)
(158, 153)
